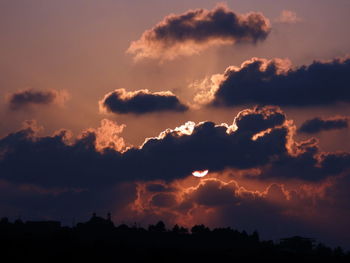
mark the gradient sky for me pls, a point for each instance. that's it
(61, 60)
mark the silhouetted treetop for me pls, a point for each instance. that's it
(99, 238)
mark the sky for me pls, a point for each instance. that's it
(110, 106)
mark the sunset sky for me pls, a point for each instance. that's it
(230, 113)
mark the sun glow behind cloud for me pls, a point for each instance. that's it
(200, 173)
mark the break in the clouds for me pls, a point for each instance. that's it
(140, 102)
(29, 97)
(317, 124)
(275, 82)
(195, 30)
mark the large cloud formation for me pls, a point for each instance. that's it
(258, 138)
(59, 177)
(215, 200)
(195, 30)
(140, 102)
(275, 210)
(317, 124)
(274, 82)
(27, 97)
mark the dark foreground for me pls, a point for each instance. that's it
(98, 239)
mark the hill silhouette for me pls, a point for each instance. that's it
(99, 238)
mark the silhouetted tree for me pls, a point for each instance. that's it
(297, 244)
(323, 250)
(338, 252)
(179, 230)
(159, 227)
(4, 220)
(98, 239)
(200, 229)
(255, 236)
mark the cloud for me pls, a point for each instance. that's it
(58, 161)
(107, 136)
(275, 82)
(36, 203)
(29, 97)
(288, 17)
(164, 200)
(218, 201)
(259, 176)
(215, 193)
(196, 30)
(158, 187)
(317, 124)
(140, 102)
(258, 138)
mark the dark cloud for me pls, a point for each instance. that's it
(258, 138)
(266, 82)
(21, 99)
(66, 204)
(197, 29)
(140, 102)
(306, 166)
(208, 146)
(316, 125)
(54, 177)
(50, 161)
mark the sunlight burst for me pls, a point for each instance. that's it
(200, 173)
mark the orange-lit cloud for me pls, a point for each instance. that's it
(288, 17)
(107, 136)
(210, 200)
(196, 30)
(206, 89)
